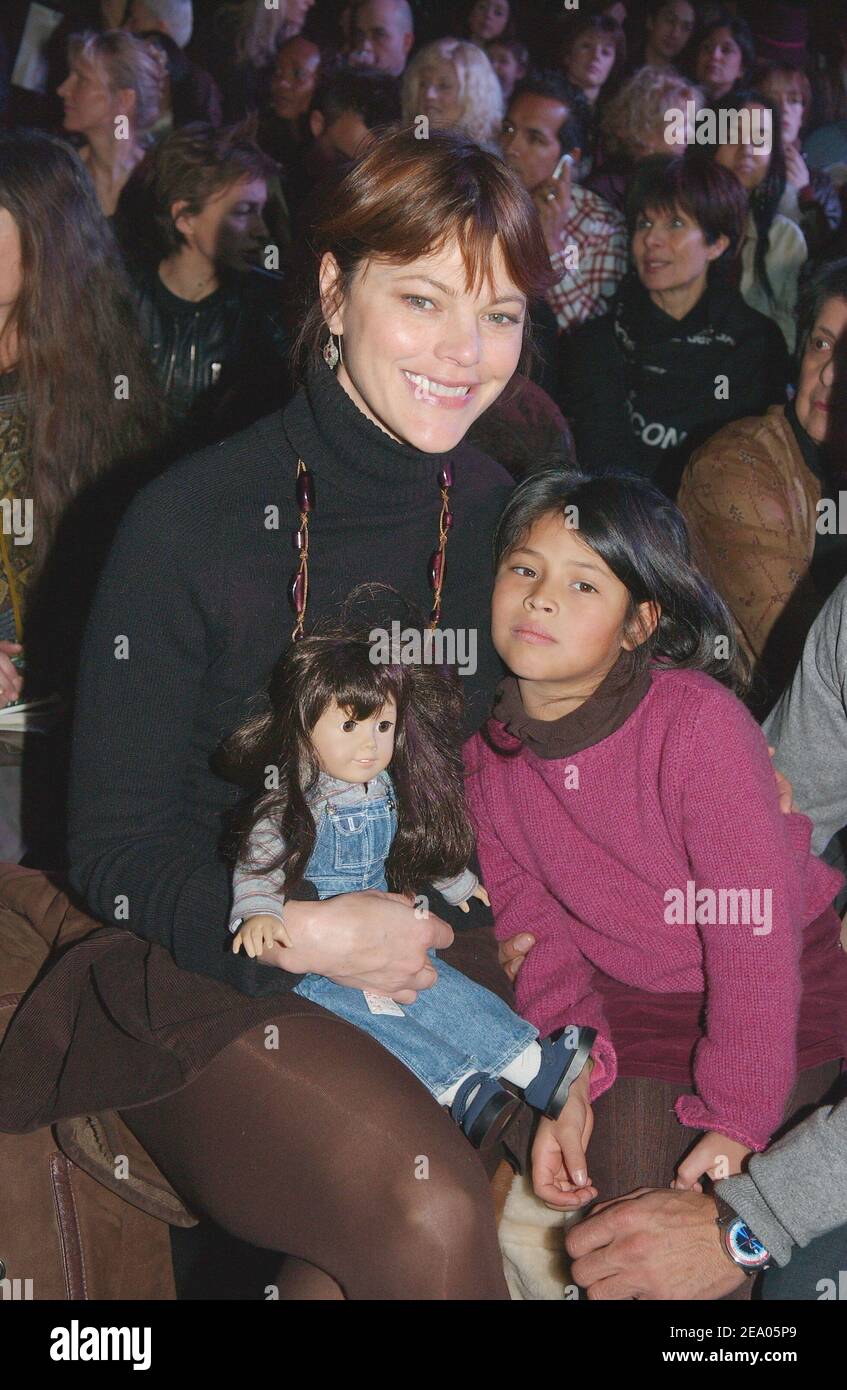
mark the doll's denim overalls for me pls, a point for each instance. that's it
(454, 1027)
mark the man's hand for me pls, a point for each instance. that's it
(652, 1245)
(553, 200)
(796, 169)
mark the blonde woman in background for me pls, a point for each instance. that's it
(113, 97)
(245, 42)
(633, 126)
(453, 84)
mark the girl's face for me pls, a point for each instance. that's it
(590, 61)
(670, 251)
(558, 615)
(488, 19)
(720, 62)
(506, 66)
(671, 29)
(748, 162)
(423, 355)
(90, 104)
(355, 750)
(438, 93)
(785, 92)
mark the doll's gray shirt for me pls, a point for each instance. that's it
(256, 893)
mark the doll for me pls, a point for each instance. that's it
(367, 791)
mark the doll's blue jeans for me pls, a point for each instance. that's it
(454, 1027)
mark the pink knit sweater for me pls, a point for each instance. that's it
(585, 852)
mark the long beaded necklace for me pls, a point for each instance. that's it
(298, 592)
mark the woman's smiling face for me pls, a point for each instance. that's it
(423, 356)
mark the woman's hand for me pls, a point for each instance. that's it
(372, 940)
(715, 1155)
(478, 892)
(796, 169)
(559, 1166)
(512, 953)
(11, 680)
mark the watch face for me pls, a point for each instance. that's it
(743, 1246)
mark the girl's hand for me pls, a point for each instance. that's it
(11, 680)
(714, 1155)
(559, 1166)
(259, 933)
(478, 892)
(784, 788)
(512, 953)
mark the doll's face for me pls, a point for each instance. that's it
(355, 750)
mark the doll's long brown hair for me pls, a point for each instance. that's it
(434, 836)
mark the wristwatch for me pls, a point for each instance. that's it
(738, 1240)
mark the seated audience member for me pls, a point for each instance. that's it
(211, 317)
(751, 496)
(679, 353)
(669, 25)
(72, 448)
(240, 51)
(114, 87)
(634, 124)
(382, 33)
(510, 60)
(193, 94)
(452, 83)
(807, 726)
(792, 1199)
(591, 56)
(284, 129)
(810, 198)
(345, 109)
(724, 57)
(544, 132)
(489, 20)
(774, 250)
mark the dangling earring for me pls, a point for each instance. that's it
(332, 354)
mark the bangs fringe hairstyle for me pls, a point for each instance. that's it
(694, 184)
(643, 539)
(434, 836)
(406, 198)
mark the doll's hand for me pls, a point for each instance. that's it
(260, 933)
(478, 892)
(715, 1155)
(559, 1167)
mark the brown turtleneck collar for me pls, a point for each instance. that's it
(614, 700)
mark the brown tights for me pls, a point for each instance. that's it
(328, 1150)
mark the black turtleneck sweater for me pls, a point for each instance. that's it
(192, 613)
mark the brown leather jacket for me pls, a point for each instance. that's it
(749, 499)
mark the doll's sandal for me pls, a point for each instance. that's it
(561, 1064)
(484, 1117)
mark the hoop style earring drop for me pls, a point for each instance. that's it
(332, 354)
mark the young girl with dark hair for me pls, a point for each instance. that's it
(774, 250)
(366, 788)
(626, 814)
